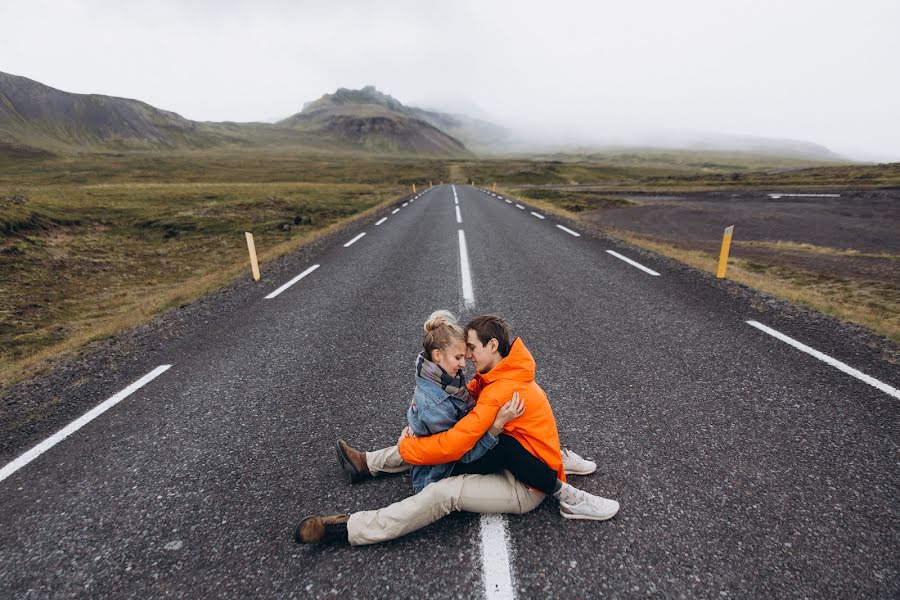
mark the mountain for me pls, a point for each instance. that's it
(38, 116)
(35, 119)
(370, 120)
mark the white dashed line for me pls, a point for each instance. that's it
(495, 559)
(468, 294)
(507, 200)
(404, 205)
(520, 206)
(80, 422)
(381, 220)
(292, 281)
(458, 216)
(891, 391)
(539, 216)
(567, 230)
(354, 240)
(634, 264)
(395, 211)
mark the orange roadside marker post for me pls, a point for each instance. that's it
(723, 255)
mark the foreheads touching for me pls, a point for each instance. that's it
(487, 341)
(445, 342)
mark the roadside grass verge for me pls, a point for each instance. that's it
(874, 305)
(83, 262)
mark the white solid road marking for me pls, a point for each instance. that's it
(354, 240)
(633, 263)
(520, 206)
(468, 294)
(539, 216)
(381, 220)
(567, 230)
(458, 216)
(892, 391)
(77, 424)
(455, 200)
(292, 281)
(497, 574)
(395, 211)
(777, 195)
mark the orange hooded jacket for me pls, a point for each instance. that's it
(535, 429)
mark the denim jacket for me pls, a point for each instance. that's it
(433, 411)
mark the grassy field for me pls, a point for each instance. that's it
(834, 282)
(91, 245)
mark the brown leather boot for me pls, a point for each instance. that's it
(353, 462)
(316, 530)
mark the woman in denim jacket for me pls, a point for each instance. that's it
(441, 397)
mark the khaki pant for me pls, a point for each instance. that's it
(495, 493)
(386, 460)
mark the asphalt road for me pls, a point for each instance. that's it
(744, 467)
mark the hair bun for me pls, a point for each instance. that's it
(439, 318)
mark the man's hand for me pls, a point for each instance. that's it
(406, 433)
(509, 411)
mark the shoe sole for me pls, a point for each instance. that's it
(588, 472)
(586, 517)
(346, 465)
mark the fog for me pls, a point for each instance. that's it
(570, 73)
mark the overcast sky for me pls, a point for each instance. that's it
(824, 71)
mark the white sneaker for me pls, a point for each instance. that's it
(575, 465)
(590, 507)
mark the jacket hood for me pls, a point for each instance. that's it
(518, 365)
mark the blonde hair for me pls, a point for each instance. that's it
(441, 330)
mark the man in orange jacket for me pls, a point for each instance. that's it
(502, 369)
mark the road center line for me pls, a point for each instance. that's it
(80, 422)
(569, 231)
(458, 216)
(891, 391)
(468, 294)
(497, 574)
(634, 263)
(539, 216)
(354, 240)
(292, 281)
(381, 220)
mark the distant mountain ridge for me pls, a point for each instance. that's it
(36, 119)
(374, 121)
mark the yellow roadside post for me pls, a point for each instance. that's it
(414, 188)
(494, 187)
(723, 255)
(252, 248)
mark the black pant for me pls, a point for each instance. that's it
(509, 454)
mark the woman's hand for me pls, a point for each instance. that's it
(406, 433)
(509, 411)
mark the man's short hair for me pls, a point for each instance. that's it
(491, 326)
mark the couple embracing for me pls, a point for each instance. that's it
(489, 445)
